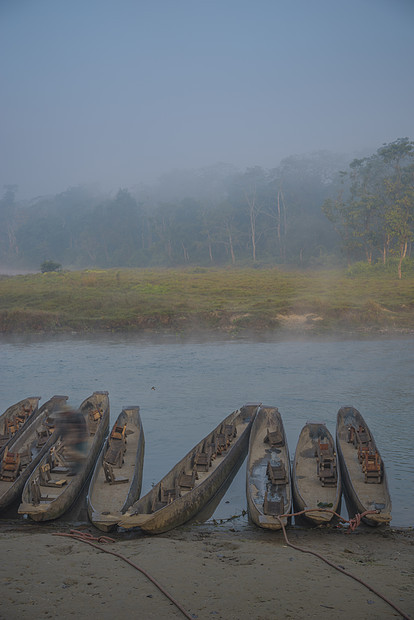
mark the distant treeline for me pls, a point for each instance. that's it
(310, 210)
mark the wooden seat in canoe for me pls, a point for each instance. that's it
(43, 435)
(10, 465)
(371, 467)
(362, 436)
(110, 476)
(324, 451)
(117, 445)
(27, 408)
(351, 434)
(229, 431)
(274, 438)
(57, 458)
(36, 495)
(157, 502)
(273, 506)
(211, 447)
(221, 443)
(202, 460)
(45, 479)
(12, 426)
(363, 449)
(187, 481)
(119, 432)
(327, 474)
(20, 419)
(169, 495)
(95, 416)
(164, 497)
(326, 464)
(115, 452)
(277, 473)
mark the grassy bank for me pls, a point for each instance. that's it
(232, 301)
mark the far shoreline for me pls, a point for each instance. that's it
(211, 335)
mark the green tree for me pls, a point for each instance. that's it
(8, 244)
(398, 189)
(374, 211)
(399, 217)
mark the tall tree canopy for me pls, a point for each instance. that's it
(221, 216)
(374, 210)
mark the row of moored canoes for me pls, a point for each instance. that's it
(35, 468)
(320, 471)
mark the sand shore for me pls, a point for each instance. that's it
(231, 573)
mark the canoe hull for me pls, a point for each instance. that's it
(107, 503)
(307, 489)
(359, 495)
(258, 485)
(11, 491)
(191, 503)
(27, 404)
(58, 501)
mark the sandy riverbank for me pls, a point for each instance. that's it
(211, 572)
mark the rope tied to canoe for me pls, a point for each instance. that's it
(92, 540)
(353, 524)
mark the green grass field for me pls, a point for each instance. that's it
(232, 301)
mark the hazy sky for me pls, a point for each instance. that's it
(118, 91)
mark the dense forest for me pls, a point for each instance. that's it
(315, 210)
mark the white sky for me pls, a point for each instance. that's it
(116, 92)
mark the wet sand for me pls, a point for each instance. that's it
(213, 572)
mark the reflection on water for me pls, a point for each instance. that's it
(185, 389)
(211, 507)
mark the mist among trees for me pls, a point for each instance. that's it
(315, 210)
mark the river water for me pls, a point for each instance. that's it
(184, 389)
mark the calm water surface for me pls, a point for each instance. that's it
(197, 384)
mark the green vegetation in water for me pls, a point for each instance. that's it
(229, 300)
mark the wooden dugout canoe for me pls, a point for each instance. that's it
(117, 477)
(49, 492)
(25, 450)
(196, 479)
(15, 418)
(268, 470)
(316, 476)
(364, 478)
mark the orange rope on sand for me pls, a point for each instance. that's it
(353, 524)
(88, 538)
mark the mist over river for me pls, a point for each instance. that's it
(184, 389)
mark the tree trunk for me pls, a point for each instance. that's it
(233, 258)
(210, 249)
(278, 224)
(403, 252)
(253, 215)
(185, 252)
(284, 229)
